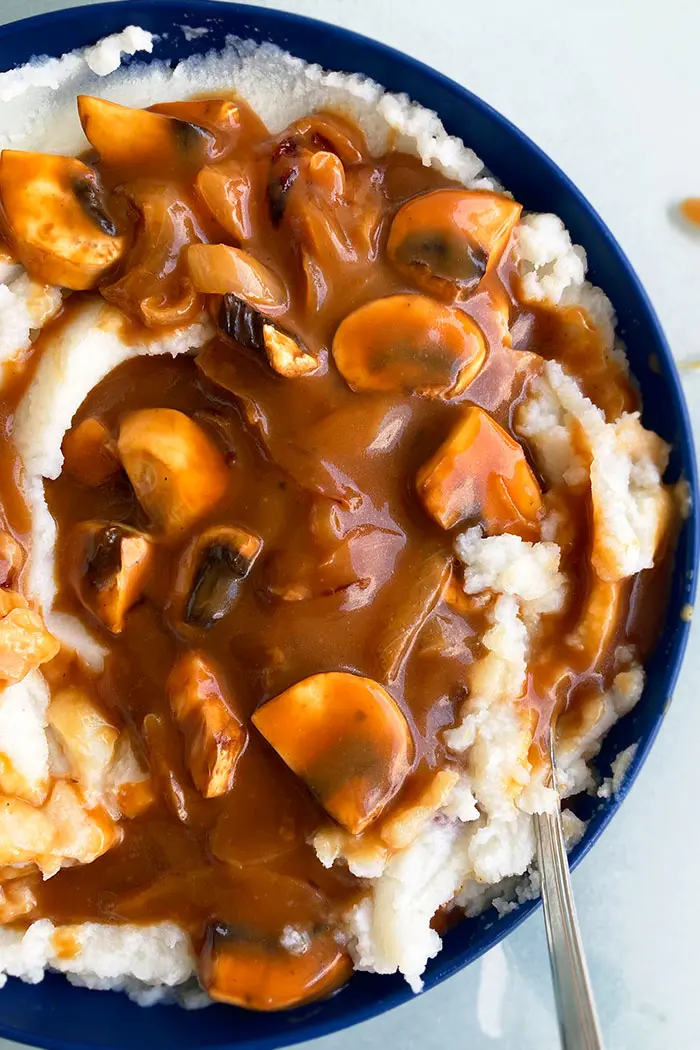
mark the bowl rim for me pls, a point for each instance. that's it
(220, 10)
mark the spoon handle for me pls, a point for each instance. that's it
(578, 1021)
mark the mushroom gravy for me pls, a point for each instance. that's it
(280, 510)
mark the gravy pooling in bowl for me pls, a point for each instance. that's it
(262, 534)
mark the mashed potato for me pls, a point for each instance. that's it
(470, 831)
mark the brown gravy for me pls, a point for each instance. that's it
(325, 477)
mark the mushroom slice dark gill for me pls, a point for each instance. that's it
(277, 946)
(286, 355)
(122, 135)
(445, 240)
(110, 564)
(56, 219)
(264, 974)
(411, 344)
(211, 572)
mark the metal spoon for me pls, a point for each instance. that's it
(578, 1020)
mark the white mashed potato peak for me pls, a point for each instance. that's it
(391, 928)
(106, 56)
(508, 564)
(572, 441)
(573, 757)
(25, 307)
(52, 74)
(278, 86)
(549, 263)
(472, 829)
(125, 957)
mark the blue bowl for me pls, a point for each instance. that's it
(54, 1014)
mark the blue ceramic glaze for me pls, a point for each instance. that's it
(55, 1014)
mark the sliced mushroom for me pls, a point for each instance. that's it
(211, 571)
(480, 472)
(221, 269)
(177, 473)
(86, 736)
(286, 355)
(409, 343)
(444, 241)
(227, 191)
(239, 320)
(125, 136)
(155, 287)
(265, 974)
(220, 117)
(56, 219)
(90, 453)
(110, 566)
(214, 737)
(346, 737)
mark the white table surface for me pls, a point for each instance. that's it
(611, 90)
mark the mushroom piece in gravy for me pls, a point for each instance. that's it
(57, 220)
(211, 573)
(112, 564)
(447, 240)
(177, 473)
(330, 525)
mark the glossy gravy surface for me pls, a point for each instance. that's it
(325, 477)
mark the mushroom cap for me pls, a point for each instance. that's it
(56, 220)
(126, 136)
(258, 975)
(177, 473)
(409, 344)
(445, 240)
(351, 743)
(480, 471)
